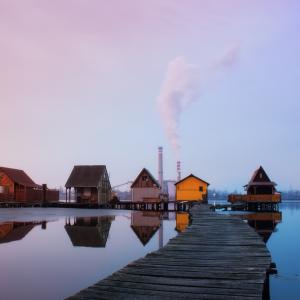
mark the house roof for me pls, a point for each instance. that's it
(19, 176)
(85, 176)
(261, 178)
(90, 232)
(191, 175)
(144, 233)
(149, 174)
(87, 236)
(17, 233)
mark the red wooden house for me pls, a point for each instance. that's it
(16, 185)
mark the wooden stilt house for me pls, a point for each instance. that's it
(16, 185)
(145, 188)
(260, 189)
(90, 183)
(191, 188)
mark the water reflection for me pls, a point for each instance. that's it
(264, 223)
(82, 249)
(15, 231)
(182, 221)
(145, 224)
(89, 231)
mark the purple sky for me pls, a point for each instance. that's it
(79, 83)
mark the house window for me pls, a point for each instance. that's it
(145, 178)
(87, 192)
(201, 188)
(260, 175)
(2, 189)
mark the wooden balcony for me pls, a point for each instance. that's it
(275, 198)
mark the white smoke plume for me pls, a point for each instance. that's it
(228, 59)
(182, 86)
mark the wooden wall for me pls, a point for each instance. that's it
(190, 190)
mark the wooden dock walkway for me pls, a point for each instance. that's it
(217, 257)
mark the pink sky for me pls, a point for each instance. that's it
(78, 78)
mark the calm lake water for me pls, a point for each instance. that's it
(281, 232)
(52, 254)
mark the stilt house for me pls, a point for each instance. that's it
(191, 188)
(91, 184)
(16, 185)
(260, 189)
(145, 188)
(260, 183)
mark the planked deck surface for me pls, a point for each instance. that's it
(217, 257)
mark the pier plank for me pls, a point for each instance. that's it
(217, 257)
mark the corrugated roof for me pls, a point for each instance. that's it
(85, 176)
(18, 176)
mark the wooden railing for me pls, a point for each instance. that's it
(30, 196)
(275, 198)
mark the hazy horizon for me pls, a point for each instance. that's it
(214, 83)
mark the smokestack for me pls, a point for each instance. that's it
(160, 166)
(178, 170)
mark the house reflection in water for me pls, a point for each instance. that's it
(182, 221)
(264, 223)
(89, 231)
(15, 231)
(145, 224)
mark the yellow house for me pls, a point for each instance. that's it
(191, 188)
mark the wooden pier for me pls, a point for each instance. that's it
(126, 205)
(217, 257)
(154, 206)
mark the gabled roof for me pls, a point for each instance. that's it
(85, 235)
(144, 170)
(19, 176)
(191, 175)
(260, 177)
(144, 233)
(18, 232)
(85, 176)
